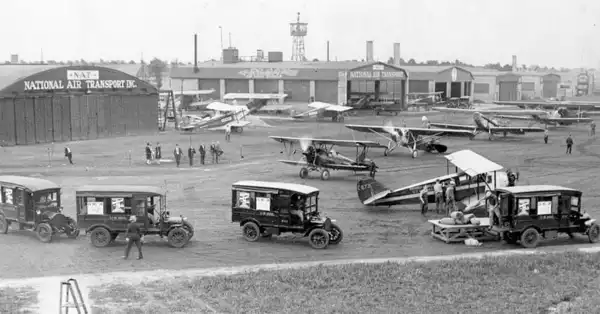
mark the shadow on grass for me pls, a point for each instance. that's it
(23, 300)
(518, 284)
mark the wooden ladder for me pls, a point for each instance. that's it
(70, 289)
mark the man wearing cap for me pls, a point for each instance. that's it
(134, 235)
(493, 207)
(450, 200)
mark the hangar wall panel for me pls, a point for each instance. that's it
(56, 120)
(205, 84)
(297, 90)
(76, 123)
(418, 86)
(550, 89)
(508, 91)
(40, 121)
(7, 122)
(267, 86)
(92, 106)
(326, 91)
(237, 86)
(65, 108)
(49, 119)
(102, 125)
(20, 121)
(30, 121)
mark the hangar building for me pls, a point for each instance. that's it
(75, 103)
(510, 86)
(451, 81)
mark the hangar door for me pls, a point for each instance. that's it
(418, 86)
(508, 91)
(297, 90)
(7, 122)
(237, 86)
(326, 91)
(550, 89)
(211, 84)
(266, 86)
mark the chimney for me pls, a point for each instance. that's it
(514, 63)
(196, 53)
(328, 51)
(396, 53)
(369, 51)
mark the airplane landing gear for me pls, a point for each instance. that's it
(303, 173)
(415, 154)
(325, 175)
(385, 152)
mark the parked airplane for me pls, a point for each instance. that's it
(225, 115)
(485, 124)
(320, 156)
(414, 139)
(562, 112)
(473, 177)
(320, 109)
(567, 104)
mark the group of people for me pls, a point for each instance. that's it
(156, 154)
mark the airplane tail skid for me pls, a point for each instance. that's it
(369, 190)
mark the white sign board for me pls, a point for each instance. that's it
(263, 203)
(524, 206)
(118, 205)
(544, 208)
(95, 208)
(83, 75)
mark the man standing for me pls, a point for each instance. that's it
(148, 154)
(569, 144)
(202, 152)
(212, 151)
(134, 236)
(546, 136)
(450, 201)
(69, 154)
(218, 151)
(423, 199)
(493, 207)
(157, 151)
(593, 128)
(191, 153)
(228, 133)
(177, 153)
(439, 196)
(512, 178)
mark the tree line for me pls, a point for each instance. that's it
(86, 62)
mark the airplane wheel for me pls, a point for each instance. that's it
(303, 173)
(415, 154)
(490, 138)
(386, 152)
(396, 113)
(240, 130)
(325, 175)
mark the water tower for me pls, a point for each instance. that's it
(298, 32)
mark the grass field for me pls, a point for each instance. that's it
(202, 193)
(519, 284)
(17, 300)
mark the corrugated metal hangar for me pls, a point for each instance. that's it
(75, 103)
(510, 86)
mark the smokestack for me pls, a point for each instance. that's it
(514, 63)
(195, 53)
(328, 51)
(369, 51)
(396, 53)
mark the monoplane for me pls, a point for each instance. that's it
(319, 155)
(320, 110)
(484, 124)
(474, 175)
(548, 113)
(414, 139)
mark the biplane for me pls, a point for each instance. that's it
(547, 113)
(426, 99)
(474, 175)
(415, 139)
(320, 110)
(225, 115)
(484, 124)
(319, 155)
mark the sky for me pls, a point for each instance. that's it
(555, 33)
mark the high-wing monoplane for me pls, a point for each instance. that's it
(484, 124)
(320, 110)
(319, 155)
(474, 176)
(414, 139)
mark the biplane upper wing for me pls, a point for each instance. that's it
(467, 127)
(532, 112)
(342, 143)
(414, 131)
(231, 96)
(554, 120)
(472, 163)
(329, 107)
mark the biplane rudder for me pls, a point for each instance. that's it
(369, 190)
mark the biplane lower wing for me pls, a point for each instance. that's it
(342, 143)
(493, 111)
(236, 124)
(326, 166)
(465, 127)
(564, 121)
(515, 129)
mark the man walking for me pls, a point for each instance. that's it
(134, 236)
(546, 136)
(191, 153)
(69, 154)
(202, 151)
(439, 196)
(157, 151)
(212, 151)
(569, 144)
(228, 133)
(148, 154)
(593, 128)
(218, 151)
(450, 200)
(177, 152)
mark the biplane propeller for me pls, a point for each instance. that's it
(319, 155)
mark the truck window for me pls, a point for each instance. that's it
(7, 195)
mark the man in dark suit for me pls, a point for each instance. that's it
(177, 152)
(191, 153)
(134, 235)
(69, 154)
(202, 151)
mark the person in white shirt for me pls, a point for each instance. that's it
(439, 196)
(228, 133)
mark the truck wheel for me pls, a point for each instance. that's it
(325, 175)
(100, 237)
(318, 238)
(44, 232)
(335, 235)
(178, 237)
(594, 233)
(303, 173)
(250, 231)
(4, 225)
(530, 238)
(189, 228)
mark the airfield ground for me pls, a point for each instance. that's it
(202, 194)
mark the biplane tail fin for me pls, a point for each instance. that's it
(369, 190)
